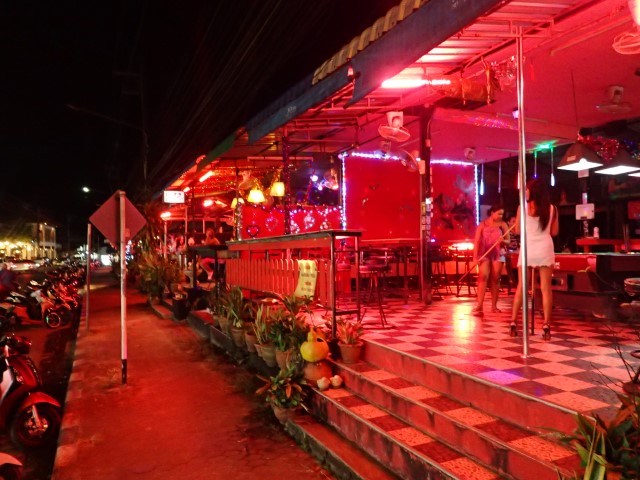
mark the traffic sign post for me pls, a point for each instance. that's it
(119, 220)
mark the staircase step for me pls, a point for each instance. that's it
(162, 311)
(335, 453)
(507, 448)
(492, 398)
(407, 451)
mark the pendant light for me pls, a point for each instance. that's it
(482, 179)
(535, 163)
(500, 176)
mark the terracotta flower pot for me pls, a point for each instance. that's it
(284, 414)
(350, 353)
(282, 358)
(224, 324)
(237, 334)
(251, 340)
(269, 354)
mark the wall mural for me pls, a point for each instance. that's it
(454, 205)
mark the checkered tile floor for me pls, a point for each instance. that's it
(580, 368)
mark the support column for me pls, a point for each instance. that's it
(425, 205)
(286, 179)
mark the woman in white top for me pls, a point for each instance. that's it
(542, 223)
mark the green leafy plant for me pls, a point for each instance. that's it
(235, 307)
(287, 331)
(609, 449)
(349, 332)
(285, 390)
(157, 273)
(262, 324)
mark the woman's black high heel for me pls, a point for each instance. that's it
(513, 331)
(546, 332)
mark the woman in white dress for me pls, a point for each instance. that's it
(541, 220)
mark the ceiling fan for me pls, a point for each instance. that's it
(614, 103)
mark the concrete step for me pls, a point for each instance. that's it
(335, 453)
(504, 447)
(496, 400)
(405, 450)
(162, 311)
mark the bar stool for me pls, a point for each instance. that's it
(439, 276)
(374, 270)
(465, 257)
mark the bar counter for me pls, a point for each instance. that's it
(270, 265)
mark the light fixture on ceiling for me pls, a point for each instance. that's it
(621, 163)
(205, 176)
(277, 186)
(235, 202)
(277, 189)
(579, 157)
(256, 195)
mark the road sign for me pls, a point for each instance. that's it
(106, 219)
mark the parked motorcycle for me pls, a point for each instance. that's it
(32, 417)
(10, 467)
(34, 309)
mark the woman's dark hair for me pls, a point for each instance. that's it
(539, 195)
(495, 207)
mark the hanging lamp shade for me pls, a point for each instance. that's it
(621, 163)
(579, 157)
(277, 189)
(255, 196)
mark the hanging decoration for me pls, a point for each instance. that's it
(482, 179)
(553, 178)
(606, 148)
(295, 228)
(252, 230)
(535, 164)
(309, 221)
(271, 223)
(500, 176)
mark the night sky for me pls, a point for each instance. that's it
(89, 90)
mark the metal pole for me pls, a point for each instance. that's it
(123, 292)
(522, 177)
(164, 248)
(424, 262)
(88, 282)
(286, 178)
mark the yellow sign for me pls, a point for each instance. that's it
(307, 275)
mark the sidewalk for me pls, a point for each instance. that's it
(185, 412)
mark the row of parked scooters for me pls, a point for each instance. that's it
(55, 301)
(32, 417)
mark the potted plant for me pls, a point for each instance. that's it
(287, 333)
(157, 273)
(179, 304)
(609, 449)
(349, 335)
(284, 392)
(236, 309)
(262, 330)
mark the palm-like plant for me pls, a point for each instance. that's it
(285, 390)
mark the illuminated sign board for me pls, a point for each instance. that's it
(173, 196)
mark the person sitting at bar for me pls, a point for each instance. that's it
(489, 253)
(209, 264)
